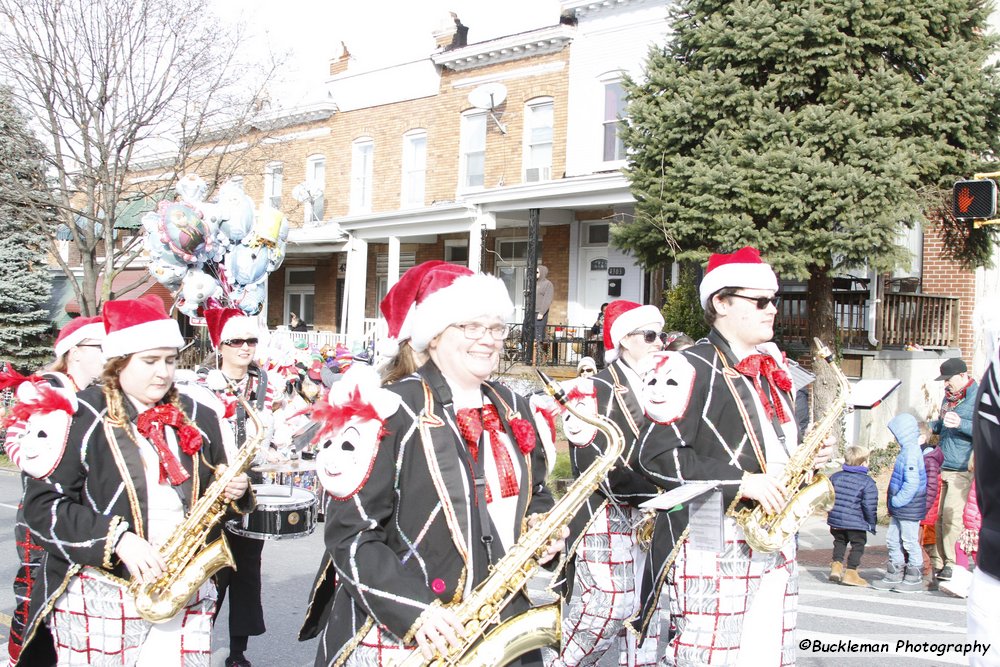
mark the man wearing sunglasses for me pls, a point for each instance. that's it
(235, 338)
(738, 430)
(608, 562)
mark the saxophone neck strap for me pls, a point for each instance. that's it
(629, 409)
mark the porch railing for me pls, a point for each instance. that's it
(903, 318)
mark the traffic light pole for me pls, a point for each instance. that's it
(982, 222)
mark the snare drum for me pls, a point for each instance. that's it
(282, 513)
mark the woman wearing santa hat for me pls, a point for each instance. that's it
(737, 430)
(235, 338)
(417, 533)
(608, 563)
(78, 364)
(139, 455)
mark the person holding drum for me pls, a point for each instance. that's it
(417, 533)
(235, 338)
(139, 455)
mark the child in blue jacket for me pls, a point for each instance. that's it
(854, 514)
(907, 500)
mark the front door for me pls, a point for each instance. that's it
(593, 282)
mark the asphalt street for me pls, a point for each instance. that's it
(834, 621)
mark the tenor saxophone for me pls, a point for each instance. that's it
(805, 492)
(490, 642)
(190, 561)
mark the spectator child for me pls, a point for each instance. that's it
(933, 458)
(907, 502)
(853, 516)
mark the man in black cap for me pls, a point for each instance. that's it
(954, 425)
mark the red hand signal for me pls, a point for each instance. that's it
(965, 199)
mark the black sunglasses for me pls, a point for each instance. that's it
(240, 342)
(761, 301)
(648, 335)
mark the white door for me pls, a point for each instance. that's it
(592, 285)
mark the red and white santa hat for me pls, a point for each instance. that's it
(623, 317)
(399, 304)
(136, 325)
(226, 323)
(447, 294)
(78, 330)
(743, 268)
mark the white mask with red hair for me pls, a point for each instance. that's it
(38, 427)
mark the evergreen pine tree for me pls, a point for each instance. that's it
(814, 130)
(25, 282)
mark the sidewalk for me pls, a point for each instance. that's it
(816, 547)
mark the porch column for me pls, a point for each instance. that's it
(477, 233)
(357, 268)
(392, 277)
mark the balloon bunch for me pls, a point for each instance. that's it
(220, 250)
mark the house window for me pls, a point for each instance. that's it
(538, 120)
(596, 233)
(414, 168)
(315, 185)
(473, 149)
(614, 112)
(361, 175)
(300, 294)
(456, 251)
(272, 184)
(511, 267)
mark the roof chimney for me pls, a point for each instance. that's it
(453, 36)
(338, 64)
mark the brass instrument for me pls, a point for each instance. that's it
(190, 561)
(490, 642)
(805, 493)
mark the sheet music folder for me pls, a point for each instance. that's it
(867, 394)
(704, 504)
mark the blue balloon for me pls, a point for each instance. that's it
(247, 265)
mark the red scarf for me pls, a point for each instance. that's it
(152, 425)
(952, 399)
(757, 365)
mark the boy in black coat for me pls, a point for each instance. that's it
(853, 516)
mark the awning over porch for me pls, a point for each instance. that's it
(122, 281)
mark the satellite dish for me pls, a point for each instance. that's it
(488, 96)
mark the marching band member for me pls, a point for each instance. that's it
(138, 456)
(608, 561)
(418, 529)
(235, 338)
(78, 364)
(731, 420)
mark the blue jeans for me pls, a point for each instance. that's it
(903, 534)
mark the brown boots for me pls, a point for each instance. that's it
(852, 578)
(847, 577)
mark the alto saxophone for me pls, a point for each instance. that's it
(490, 642)
(190, 560)
(804, 491)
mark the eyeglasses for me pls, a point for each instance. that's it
(475, 331)
(240, 342)
(761, 301)
(649, 336)
(587, 371)
(89, 345)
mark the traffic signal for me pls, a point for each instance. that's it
(974, 199)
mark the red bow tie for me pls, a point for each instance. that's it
(471, 424)
(757, 365)
(152, 425)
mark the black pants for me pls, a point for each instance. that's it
(246, 614)
(857, 538)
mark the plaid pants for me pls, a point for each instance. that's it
(94, 622)
(733, 608)
(608, 565)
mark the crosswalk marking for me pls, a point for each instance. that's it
(916, 600)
